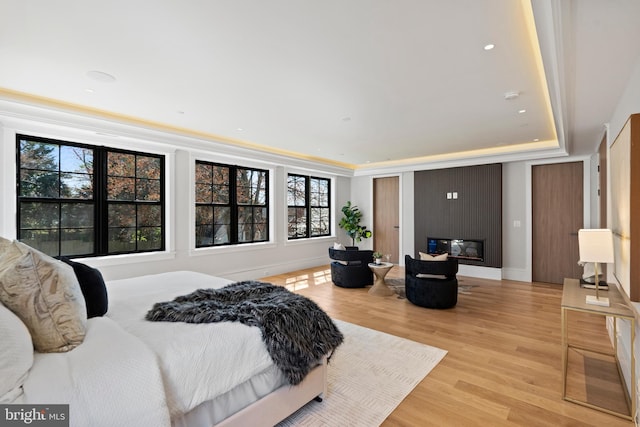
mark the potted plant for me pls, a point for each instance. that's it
(377, 257)
(350, 223)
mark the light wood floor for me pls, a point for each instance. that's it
(503, 366)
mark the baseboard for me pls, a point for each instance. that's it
(480, 272)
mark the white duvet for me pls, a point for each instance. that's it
(111, 379)
(198, 361)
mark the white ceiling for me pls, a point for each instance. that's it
(349, 82)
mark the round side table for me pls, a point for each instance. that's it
(379, 287)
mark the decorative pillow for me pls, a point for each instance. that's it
(427, 257)
(16, 355)
(93, 288)
(338, 246)
(430, 276)
(44, 293)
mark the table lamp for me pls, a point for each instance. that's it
(596, 246)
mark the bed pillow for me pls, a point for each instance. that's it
(16, 355)
(93, 288)
(427, 257)
(45, 294)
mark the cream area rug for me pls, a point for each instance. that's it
(368, 376)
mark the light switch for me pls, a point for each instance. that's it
(455, 194)
(449, 196)
(516, 223)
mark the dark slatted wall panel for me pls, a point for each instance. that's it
(475, 215)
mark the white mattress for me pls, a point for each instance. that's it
(198, 362)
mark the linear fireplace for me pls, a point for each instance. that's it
(457, 248)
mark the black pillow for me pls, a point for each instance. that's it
(92, 286)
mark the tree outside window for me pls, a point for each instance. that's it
(309, 211)
(62, 210)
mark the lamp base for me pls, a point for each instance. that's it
(593, 300)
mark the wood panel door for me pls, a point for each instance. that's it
(386, 217)
(557, 215)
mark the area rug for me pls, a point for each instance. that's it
(397, 284)
(368, 376)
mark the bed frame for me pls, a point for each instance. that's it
(278, 405)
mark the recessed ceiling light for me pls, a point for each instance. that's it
(512, 94)
(89, 90)
(346, 119)
(239, 129)
(101, 76)
(489, 46)
(536, 140)
(522, 111)
(180, 112)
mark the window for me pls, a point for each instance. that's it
(309, 213)
(82, 200)
(232, 204)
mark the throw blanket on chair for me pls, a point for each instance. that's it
(296, 332)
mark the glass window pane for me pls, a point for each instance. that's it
(39, 215)
(148, 189)
(121, 215)
(204, 235)
(149, 238)
(220, 194)
(120, 188)
(44, 240)
(297, 222)
(39, 184)
(203, 173)
(76, 186)
(122, 239)
(76, 241)
(204, 215)
(221, 175)
(222, 234)
(148, 167)
(120, 164)
(319, 221)
(149, 215)
(204, 193)
(39, 155)
(77, 215)
(76, 159)
(296, 190)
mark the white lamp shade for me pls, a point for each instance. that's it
(596, 245)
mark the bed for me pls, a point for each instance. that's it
(130, 371)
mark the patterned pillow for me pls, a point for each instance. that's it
(44, 293)
(16, 355)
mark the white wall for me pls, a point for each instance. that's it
(628, 104)
(238, 262)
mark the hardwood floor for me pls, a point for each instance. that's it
(503, 366)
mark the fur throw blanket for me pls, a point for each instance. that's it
(296, 332)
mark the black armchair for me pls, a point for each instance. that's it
(431, 284)
(349, 268)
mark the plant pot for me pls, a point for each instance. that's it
(378, 260)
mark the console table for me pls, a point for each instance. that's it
(574, 299)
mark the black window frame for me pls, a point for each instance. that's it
(233, 205)
(308, 207)
(99, 200)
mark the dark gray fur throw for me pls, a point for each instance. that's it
(296, 331)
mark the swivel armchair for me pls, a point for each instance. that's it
(431, 284)
(350, 269)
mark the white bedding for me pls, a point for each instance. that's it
(189, 378)
(100, 379)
